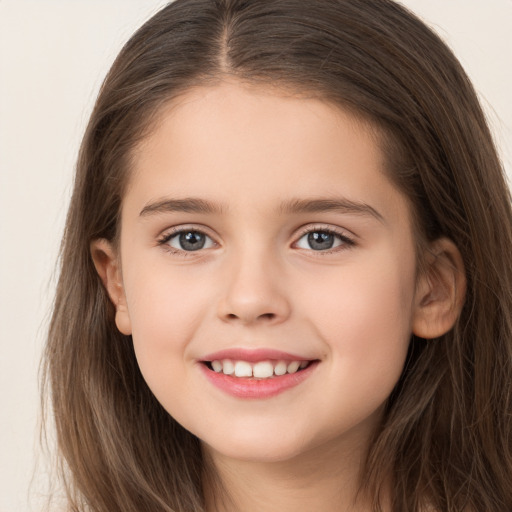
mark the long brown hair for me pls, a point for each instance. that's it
(446, 435)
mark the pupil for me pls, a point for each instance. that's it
(319, 240)
(192, 241)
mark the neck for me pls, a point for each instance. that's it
(325, 478)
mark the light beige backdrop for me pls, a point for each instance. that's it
(53, 56)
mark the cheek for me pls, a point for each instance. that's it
(165, 313)
(365, 318)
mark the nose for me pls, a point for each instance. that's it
(254, 292)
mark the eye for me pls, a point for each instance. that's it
(323, 240)
(188, 240)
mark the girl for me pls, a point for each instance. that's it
(285, 279)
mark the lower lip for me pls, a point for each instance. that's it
(243, 387)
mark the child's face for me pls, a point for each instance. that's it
(254, 223)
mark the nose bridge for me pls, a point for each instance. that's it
(254, 289)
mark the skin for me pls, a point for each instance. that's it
(258, 284)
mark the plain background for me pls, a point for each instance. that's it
(53, 57)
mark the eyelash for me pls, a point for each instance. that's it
(164, 240)
(347, 241)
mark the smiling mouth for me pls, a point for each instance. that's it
(267, 369)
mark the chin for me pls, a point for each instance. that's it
(258, 448)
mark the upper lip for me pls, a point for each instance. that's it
(253, 355)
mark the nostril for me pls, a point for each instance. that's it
(263, 316)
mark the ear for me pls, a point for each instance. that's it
(107, 265)
(440, 291)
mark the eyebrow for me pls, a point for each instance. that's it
(314, 205)
(340, 205)
(187, 205)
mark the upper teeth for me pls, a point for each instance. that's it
(260, 370)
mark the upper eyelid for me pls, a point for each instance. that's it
(169, 232)
(309, 226)
(337, 230)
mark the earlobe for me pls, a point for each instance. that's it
(108, 267)
(440, 291)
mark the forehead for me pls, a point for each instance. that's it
(231, 142)
(254, 115)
